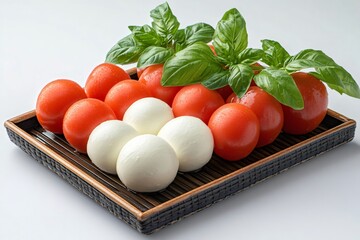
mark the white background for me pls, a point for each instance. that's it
(44, 40)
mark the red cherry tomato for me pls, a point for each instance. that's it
(123, 94)
(315, 98)
(139, 71)
(81, 118)
(197, 101)
(151, 77)
(54, 100)
(235, 129)
(225, 92)
(267, 109)
(102, 79)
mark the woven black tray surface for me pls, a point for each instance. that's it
(201, 188)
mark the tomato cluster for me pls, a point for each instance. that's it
(64, 107)
(238, 124)
(254, 120)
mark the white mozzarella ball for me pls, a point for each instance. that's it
(192, 141)
(106, 141)
(147, 163)
(148, 115)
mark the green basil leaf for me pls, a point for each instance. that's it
(250, 55)
(335, 76)
(133, 27)
(179, 39)
(274, 54)
(193, 64)
(308, 58)
(199, 32)
(154, 55)
(230, 37)
(240, 78)
(217, 80)
(280, 84)
(125, 51)
(164, 22)
(179, 47)
(339, 79)
(147, 36)
(179, 36)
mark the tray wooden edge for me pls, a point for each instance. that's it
(142, 216)
(346, 122)
(11, 124)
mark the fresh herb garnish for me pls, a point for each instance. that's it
(233, 65)
(148, 45)
(188, 59)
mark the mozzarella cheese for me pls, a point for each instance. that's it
(192, 141)
(106, 141)
(148, 115)
(147, 163)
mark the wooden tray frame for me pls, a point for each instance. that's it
(124, 204)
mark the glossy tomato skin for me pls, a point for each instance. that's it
(81, 118)
(236, 131)
(197, 101)
(123, 94)
(54, 100)
(102, 78)
(267, 109)
(315, 98)
(151, 77)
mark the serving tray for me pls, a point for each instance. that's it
(190, 192)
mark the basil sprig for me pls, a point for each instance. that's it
(325, 69)
(281, 85)
(320, 65)
(230, 37)
(190, 68)
(188, 59)
(148, 45)
(233, 65)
